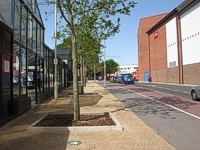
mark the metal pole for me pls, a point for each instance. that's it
(104, 65)
(55, 60)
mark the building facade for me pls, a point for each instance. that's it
(126, 69)
(143, 44)
(174, 47)
(26, 63)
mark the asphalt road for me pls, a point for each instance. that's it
(175, 125)
(173, 89)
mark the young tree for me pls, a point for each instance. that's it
(72, 11)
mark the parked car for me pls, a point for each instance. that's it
(117, 79)
(127, 78)
(195, 93)
(111, 79)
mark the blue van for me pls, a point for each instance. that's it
(127, 78)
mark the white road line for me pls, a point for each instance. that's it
(176, 90)
(186, 92)
(167, 88)
(165, 103)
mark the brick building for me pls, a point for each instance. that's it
(172, 47)
(143, 44)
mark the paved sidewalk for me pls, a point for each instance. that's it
(135, 136)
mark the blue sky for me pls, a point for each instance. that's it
(123, 46)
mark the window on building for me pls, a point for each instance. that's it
(38, 39)
(172, 64)
(30, 33)
(17, 22)
(19, 70)
(34, 35)
(23, 26)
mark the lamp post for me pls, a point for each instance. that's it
(104, 65)
(55, 59)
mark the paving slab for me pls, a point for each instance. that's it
(136, 135)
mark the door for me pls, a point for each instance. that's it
(146, 74)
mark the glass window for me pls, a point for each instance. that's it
(30, 33)
(23, 26)
(5, 12)
(23, 69)
(42, 43)
(37, 14)
(45, 74)
(34, 36)
(17, 22)
(29, 3)
(19, 70)
(38, 39)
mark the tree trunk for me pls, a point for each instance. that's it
(75, 75)
(81, 74)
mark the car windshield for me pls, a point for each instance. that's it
(128, 75)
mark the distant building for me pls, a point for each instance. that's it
(126, 69)
(169, 49)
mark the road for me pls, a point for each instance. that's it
(176, 119)
(177, 90)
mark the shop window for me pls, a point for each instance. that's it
(38, 39)
(23, 26)
(30, 33)
(34, 36)
(19, 70)
(17, 21)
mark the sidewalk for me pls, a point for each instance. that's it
(135, 136)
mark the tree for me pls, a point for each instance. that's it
(72, 11)
(111, 66)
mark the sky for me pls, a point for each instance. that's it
(122, 47)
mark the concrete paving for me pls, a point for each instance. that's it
(136, 135)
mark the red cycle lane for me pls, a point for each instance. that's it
(186, 105)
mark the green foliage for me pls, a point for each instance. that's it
(88, 23)
(111, 66)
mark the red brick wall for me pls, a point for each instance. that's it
(143, 45)
(158, 54)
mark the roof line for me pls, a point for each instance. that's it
(162, 20)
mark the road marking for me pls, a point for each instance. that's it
(176, 90)
(186, 92)
(160, 87)
(165, 103)
(167, 88)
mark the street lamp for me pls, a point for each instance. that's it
(55, 59)
(104, 65)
